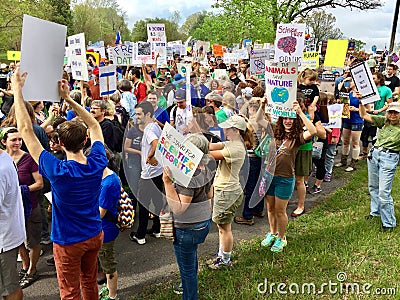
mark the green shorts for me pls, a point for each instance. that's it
(8, 272)
(225, 205)
(107, 258)
(33, 228)
(303, 163)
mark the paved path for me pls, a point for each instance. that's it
(142, 265)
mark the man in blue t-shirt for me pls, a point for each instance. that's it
(76, 225)
(160, 114)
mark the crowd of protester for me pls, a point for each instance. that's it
(82, 148)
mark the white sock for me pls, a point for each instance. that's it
(226, 256)
(220, 251)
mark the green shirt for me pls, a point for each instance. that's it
(385, 93)
(221, 116)
(389, 135)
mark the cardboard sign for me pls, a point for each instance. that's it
(257, 62)
(121, 54)
(142, 53)
(310, 60)
(289, 42)
(335, 113)
(241, 53)
(177, 153)
(156, 33)
(76, 45)
(108, 80)
(365, 85)
(218, 50)
(281, 88)
(159, 48)
(14, 55)
(42, 61)
(336, 53)
(230, 58)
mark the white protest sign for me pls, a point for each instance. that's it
(201, 46)
(365, 85)
(98, 49)
(310, 60)
(289, 42)
(281, 88)
(335, 116)
(177, 153)
(122, 55)
(156, 33)
(108, 80)
(220, 74)
(42, 61)
(159, 48)
(76, 43)
(242, 53)
(258, 46)
(142, 53)
(230, 58)
(257, 62)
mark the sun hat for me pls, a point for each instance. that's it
(235, 122)
(394, 106)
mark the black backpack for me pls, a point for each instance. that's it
(121, 111)
(118, 134)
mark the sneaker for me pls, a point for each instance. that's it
(349, 169)
(327, 177)
(220, 264)
(212, 259)
(46, 241)
(103, 292)
(316, 190)
(314, 173)
(133, 238)
(153, 234)
(241, 220)
(306, 184)
(269, 239)
(279, 245)
(178, 289)
(50, 262)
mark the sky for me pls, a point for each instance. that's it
(372, 27)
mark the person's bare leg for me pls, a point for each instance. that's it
(112, 284)
(281, 216)
(226, 237)
(17, 295)
(271, 214)
(301, 194)
(34, 255)
(24, 253)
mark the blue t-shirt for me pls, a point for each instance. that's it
(71, 114)
(354, 115)
(161, 115)
(75, 190)
(109, 196)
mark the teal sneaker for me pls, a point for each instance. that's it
(269, 240)
(103, 293)
(279, 245)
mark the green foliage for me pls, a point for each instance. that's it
(193, 22)
(139, 31)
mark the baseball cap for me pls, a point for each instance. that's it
(236, 122)
(394, 106)
(3, 66)
(180, 95)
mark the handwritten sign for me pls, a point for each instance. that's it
(42, 61)
(159, 48)
(180, 155)
(289, 42)
(218, 50)
(122, 54)
(108, 80)
(281, 88)
(230, 58)
(365, 85)
(241, 53)
(310, 60)
(335, 113)
(257, 62)
(76, 45)
(336, 53)
(156, 33)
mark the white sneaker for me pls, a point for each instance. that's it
(133, 238)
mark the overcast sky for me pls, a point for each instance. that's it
(372, 27)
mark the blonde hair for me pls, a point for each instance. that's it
(229, 100)
(307, 73)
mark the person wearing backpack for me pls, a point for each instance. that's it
(108, 206)
(98, 111)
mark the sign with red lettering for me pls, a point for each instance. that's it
(156, 33)
(289, 42)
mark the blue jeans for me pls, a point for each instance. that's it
(185, 246)
(329, 158)
(381, 170)
(254, 174)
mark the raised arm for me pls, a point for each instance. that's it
(24, 123)
(311, 130)
(94, 126)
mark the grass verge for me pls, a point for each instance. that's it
(332, 248)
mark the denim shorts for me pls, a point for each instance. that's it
(353, 127)
(281, 187)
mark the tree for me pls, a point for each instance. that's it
(61, 13)
(139, 30)
(321, 27)
(193, 22)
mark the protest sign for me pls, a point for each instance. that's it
(142, 53)
(169, 52)
(76, 45)
(202, 47)
(310, 60)
(14, 55)
(327, 82)
(281, 88)
(289, 42)
(95, 57)
(230, 58)
(336, 53)
(108, 80)
(241, 53)
(42, 61)
(179, 154)
(156, 33)
(122, 54)
(257, 46)
(335, 113)
(100, 50)
(218, 50)
(364, 83)
(160, 49)
(182, 68)
(257, 62)
(220, 74)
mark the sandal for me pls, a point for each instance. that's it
(22, 273)
(28, 279)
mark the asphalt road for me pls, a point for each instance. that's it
(140, 266)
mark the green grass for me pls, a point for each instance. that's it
(334, 237)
